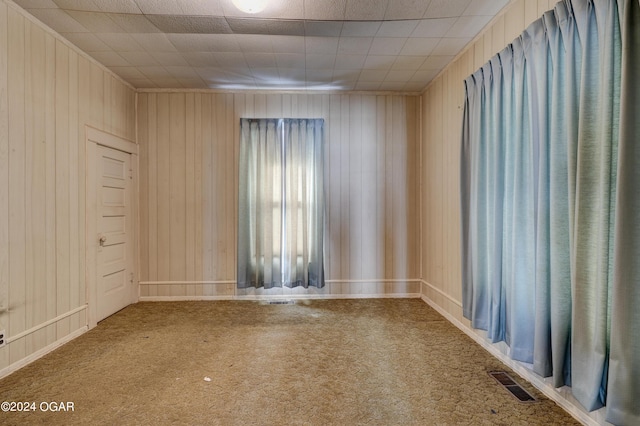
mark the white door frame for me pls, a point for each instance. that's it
(95, 138)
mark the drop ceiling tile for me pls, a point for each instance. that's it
(392, 85)
(190, 24)
(406, 9)
(346, 75)
(36, 4)
(169, 58)
(433, 27)
(365, 10)
(323, 28)
(160, 7)
(424, 75)
(397, 28)
(414, 86)
(153, 72)
(194, 42)
(131, 23)
(59, 20)
(354, 45)
(399, 75)
(373, 75)
(350, 62)
(468, 26)
(86, 5)
(287, 44)
(120, 42)
(118, 6)
(261, 60)
(127, 72)
(436, 62)
(320, 61)
(110, 59)
(286, 27)
(485, 7)
(379, 62)
(292, 75)
(139, 59)
(367, 85)
(321, 45)
(446, 8)
(408, 63)
(200, 59)
(201, 7)
(167, 82)
(265, 74)
(230, 60)
(324, 11)
(154, 42)
(223, 43)
(191, 83)
(290, 60)
(142, 83)
(87, 42)
(251, 43)
(96, 22)
(248, 25)
(386, 46)
(182, 72)
(212, 74)
(450, 46)
(360, 28)
(319, 74)
(419, 46)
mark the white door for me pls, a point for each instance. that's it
(115, 257)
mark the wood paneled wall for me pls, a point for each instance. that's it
(48, 92)
(188, 164)
(440, 184)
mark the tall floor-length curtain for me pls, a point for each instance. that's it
(281, 203)
(550, 213)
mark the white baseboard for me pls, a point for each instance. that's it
(42, 352)
(279, 297)
(561, 396)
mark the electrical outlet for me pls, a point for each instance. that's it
(2, 339)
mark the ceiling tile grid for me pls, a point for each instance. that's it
(368, 45)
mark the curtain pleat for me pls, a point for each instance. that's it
(550, 212)
(624, 367)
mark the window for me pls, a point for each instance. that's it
(281, 203)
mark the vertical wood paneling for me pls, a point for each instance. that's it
(48, 93)
(4, 180)
(176, 189)
(371, 213)
(163, 193)
(50, 119)
(62, 185)
(152, 190)
(17, 184)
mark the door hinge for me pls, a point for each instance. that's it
(131, 277)
(130, 173)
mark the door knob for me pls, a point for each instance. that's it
(102, 240)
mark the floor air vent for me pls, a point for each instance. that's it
(281, 302)
(514, 388)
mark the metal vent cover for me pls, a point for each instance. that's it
(512, 386)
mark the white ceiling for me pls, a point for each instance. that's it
(370, 45)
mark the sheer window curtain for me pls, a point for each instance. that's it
(281, 203)
(550, 210)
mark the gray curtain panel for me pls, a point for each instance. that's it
(281, 203)
(549, 194)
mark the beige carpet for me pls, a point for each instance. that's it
(326, 362)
